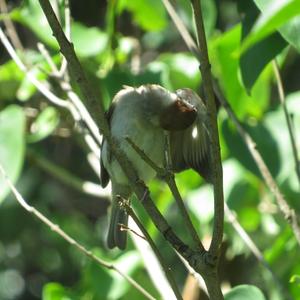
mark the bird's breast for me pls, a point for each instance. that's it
(148, 138)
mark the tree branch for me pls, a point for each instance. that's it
(95, 108)
(288, 213)
(215, 155)
(169, 179)
(66, 177)
(287, 118)
(54, 227)
(165, 267)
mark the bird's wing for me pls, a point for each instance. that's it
(104, 176)
(189, 148)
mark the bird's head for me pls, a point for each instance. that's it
(168, 110)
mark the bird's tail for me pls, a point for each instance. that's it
(117, 236)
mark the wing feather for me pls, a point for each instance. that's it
(190, 147)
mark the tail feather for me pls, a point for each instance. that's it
(117, 237)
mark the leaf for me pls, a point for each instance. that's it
(150, 15)
(12, 129)
(55, 291)
(266, 144)
(209, 12)
(182, 70)
(11, 76)
(295, 279)
(128, 263)
(253, 61)
(276, 124)
(275, 14)
(27, 88)
(44, 125)
(226, 66)
(31, 15)
(111, 285)
(88, 41)
(244, 292)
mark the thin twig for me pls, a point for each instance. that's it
(54, 227)
(182, 29)
(271, 184)
(253, 248)
(287, 117)
(288, 213)
(192, 271)
(169, 179)
(95, 107)
(75, 112)
(66, 177)
(10, 27)
(156, 251)
(72, 96)
(64, 64)
(215, 155)
(39, 85)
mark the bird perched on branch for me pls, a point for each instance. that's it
(145, 115)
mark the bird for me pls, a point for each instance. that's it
(145, 115)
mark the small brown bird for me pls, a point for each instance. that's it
(145, 114)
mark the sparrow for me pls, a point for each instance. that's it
(147, 114)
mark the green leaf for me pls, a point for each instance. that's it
(245, 292)
(27, 89)
(253, 61)
(295, 279)
(280, 131)
(267, 145)
(128, 263)
(12, 128)
(225, 65)
(150, 15)
(31, 15)
(209, 12)
(111, 285)
(11, 76)
(44, 125)
(55, 291)
(183, 70)
(88, 41)
(275, 14)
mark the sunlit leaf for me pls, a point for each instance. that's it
(253, 61)
(276, 15)
(267, 145)
(44, 125)
(183, 70)
(88, 41)
(55, 291)
(27, 88)
(149, 14)
(245, 292)
(225, 65)
(295, 279)
(31, 15)
(12, 129)
(10, 79)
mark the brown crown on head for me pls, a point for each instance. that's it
(178, 116)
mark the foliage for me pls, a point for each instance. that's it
(121, 43)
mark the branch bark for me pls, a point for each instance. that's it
(54, 227)
(197, 259)
(215, 155)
